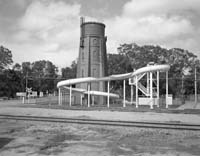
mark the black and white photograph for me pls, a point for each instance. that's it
(99, 77)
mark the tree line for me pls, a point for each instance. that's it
(182, 66)
(43, 75)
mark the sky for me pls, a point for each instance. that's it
(50, 29)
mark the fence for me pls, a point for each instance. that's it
(182, 90)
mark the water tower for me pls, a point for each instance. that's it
(92, 60)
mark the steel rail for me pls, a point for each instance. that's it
(142, 124)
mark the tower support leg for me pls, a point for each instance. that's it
(108, 98)
(81, 100)
(158, 86)
(88, 94)
(131, 94)
(70, 96)
(136, 91)
(151, 90)
(167, 89)
(124, 86)
(59, 98)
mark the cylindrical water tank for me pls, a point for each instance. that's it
(93, 28)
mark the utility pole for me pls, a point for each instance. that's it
(195, 82)
(195, 71)
(195, 85)
(182, 89)
(26, 81)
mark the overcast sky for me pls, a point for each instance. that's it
(49, 29)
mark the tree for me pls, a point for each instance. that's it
(133, 56)
(40, 75)
(118, 64)
(10, 83)
(5, 58)
(69, 72)
(17, 67)
(26, 68)
(44, 73)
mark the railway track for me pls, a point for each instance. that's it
(160, 125)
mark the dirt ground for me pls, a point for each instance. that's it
(23, 138)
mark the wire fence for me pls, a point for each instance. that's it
(182, 89)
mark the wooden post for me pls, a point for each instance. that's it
(93, 100)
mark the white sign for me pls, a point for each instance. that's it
(169, 99)
(33, 94)
(21, 94)
(29, 90)
(41, 94)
